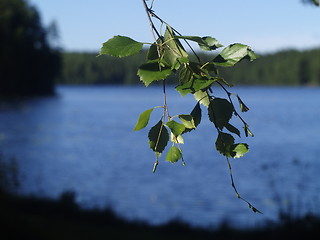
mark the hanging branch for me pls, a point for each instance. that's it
(167, 56)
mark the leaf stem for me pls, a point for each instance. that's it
(236, 191)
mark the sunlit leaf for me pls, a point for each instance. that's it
(220, 112)
(233, 54)
(153, 71)
(175, 127)
(173, 43)
(143, 119)
(121, 46)
(176, 139)
(173, 155)
(239, 150)
(187, 121)
(202, 97)
(158, 137)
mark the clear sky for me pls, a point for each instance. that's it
(265, 25)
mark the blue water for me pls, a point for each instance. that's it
(83, 141)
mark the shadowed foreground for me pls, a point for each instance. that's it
(35, 218)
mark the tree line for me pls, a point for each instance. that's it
(289, 67)
(28, 62)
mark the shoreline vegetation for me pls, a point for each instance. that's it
(41, 218)
(287, 67)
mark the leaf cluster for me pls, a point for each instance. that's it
(167, 56)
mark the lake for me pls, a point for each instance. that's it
(83, 141)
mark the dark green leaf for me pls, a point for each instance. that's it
(153, 53)
(224, 144)
(197, 69)
(196, 115)
(195, 85)
(185, 75)
(143, 120)
(175, 127)
(121, 46)
(173, 155)
(254, 209)
(233, 54)
(232, 129)
(211, 67)
(220, 112)
(153, 71)
(158, 137)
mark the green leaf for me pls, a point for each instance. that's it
(187, 121)
(158, 137)
(220, 112)
(175, 127)
(196, 115)
(176, 139)
(210, 67)
(233, 54)
(185, 75)
(202, 97)
(174, 44)
(205, 43)
(209, 44)
(121, 46)
(195, 85)
(153, 71)
(143, 119)
(173, 155)
(243, 107)
(197, 69)
(224, 144)
(239, 150)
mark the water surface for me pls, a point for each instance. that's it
(83, 141)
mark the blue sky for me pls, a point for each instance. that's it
(265, 25)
